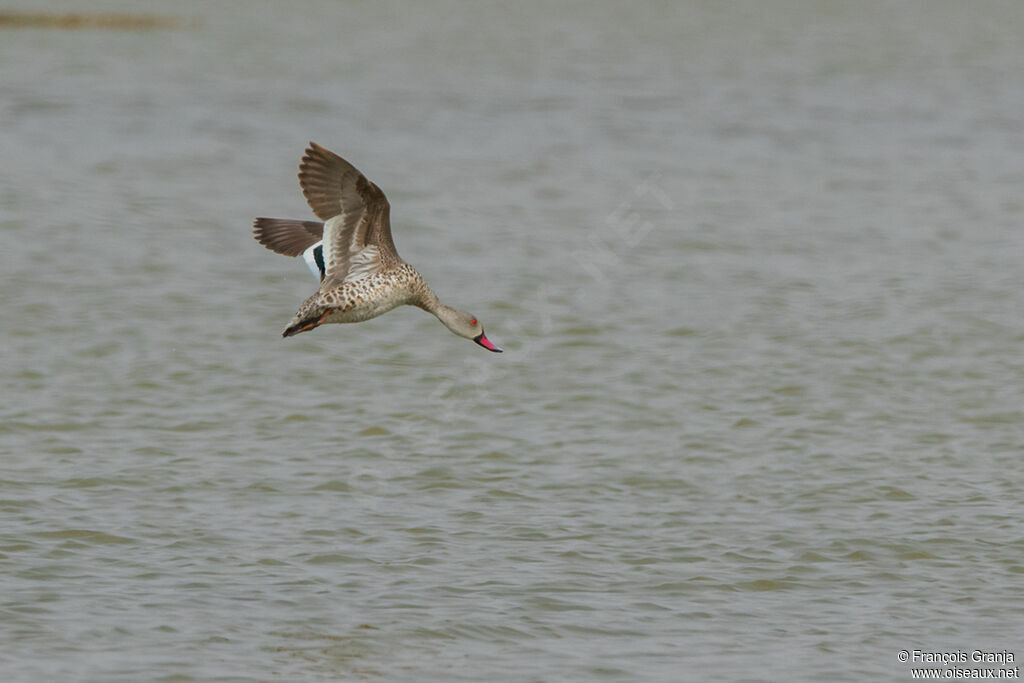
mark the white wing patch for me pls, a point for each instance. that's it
(310, 256)
(363, 263)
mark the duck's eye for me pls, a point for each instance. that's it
(473, 321)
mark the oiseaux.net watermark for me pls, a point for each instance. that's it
(960, 664)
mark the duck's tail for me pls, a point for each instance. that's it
(310, 315)
(301, 326)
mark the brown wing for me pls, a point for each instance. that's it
(355, 211)
(286, 236)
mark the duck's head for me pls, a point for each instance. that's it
(466, 325)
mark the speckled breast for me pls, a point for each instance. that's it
(370, 297)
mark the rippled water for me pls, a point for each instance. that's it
(756, 268)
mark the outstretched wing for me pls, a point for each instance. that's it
(286, 236)
(357, 228)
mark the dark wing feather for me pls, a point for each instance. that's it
(286, 236)
(355, 211)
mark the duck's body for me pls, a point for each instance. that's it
(362, 299)
(361, 273)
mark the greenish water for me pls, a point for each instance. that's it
(756, 269)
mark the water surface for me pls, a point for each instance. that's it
(756, 269)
